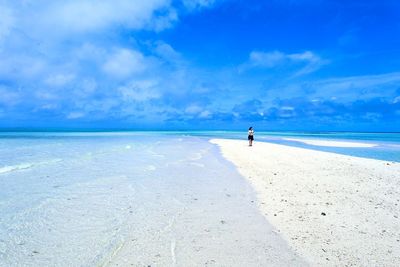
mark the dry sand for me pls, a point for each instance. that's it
(331, 143)
(333, 210)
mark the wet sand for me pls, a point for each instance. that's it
(201, 213)
(333, 210)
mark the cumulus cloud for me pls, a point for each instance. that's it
(87, 60)
(124, 62)
(59, 79)
(87, 16)
(139, 90)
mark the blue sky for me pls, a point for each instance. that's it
(200, 64)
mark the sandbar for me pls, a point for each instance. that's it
(330, 143)
(333, 210)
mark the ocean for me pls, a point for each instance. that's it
(74, 198)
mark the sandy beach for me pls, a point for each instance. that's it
(331, 143)
(333, 210)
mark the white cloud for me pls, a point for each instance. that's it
(362, 87)
(59, 80)
(139, 91)
(342, 90)
(21, 66)
(75, 115)
(267, 60)
(205, 114)
(309, 61)
(49, 107)
(85, 58)
(124, 62)
(166, 52)
(46, 95)
(193, 109)
(92, 15)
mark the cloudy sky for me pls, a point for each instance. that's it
(200, 64)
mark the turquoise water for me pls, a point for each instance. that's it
(387, 144)
(80, 199)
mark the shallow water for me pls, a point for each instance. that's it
(130, 199)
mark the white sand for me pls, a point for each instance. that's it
(359, 197)
(331, 143)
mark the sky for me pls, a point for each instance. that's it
(308, 65)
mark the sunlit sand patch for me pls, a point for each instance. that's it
(331, 143)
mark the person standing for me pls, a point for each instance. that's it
(250, 136)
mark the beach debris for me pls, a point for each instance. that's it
(323, 213)
(35, 252)
(223, 222)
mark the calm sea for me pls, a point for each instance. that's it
(78, 199)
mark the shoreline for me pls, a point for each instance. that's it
(332, 209)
